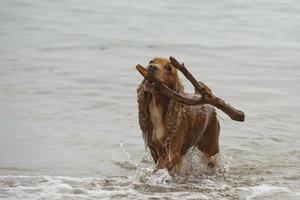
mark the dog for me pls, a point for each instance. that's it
(170, 128)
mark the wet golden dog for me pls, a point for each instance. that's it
(171, 128)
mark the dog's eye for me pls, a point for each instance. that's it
(168, 68)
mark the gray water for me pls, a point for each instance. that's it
(68, 112)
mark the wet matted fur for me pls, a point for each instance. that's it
(171, 128)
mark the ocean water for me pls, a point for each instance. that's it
(68, 112)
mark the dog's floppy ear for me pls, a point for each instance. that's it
(143, 99)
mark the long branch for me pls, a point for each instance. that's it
(194, 99)
(206, 93)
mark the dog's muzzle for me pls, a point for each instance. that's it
(152, 69)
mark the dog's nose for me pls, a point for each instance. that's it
(152, 69)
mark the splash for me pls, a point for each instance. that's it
(193, 164)
(124, 159)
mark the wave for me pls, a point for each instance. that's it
(160, 185)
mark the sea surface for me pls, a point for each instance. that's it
(68, 111)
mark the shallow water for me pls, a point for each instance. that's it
(68, 109)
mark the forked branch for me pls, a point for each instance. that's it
(206, 96)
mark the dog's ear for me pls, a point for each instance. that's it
(143, 99)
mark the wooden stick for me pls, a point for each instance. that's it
(193, 99)
(198, 85)
(208, 95)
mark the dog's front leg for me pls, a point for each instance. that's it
(168, 161)
(172, 153)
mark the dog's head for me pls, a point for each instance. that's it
(161, 69)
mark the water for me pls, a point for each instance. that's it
(68, 110)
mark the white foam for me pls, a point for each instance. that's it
(144, 185)
(265, 191)
(46, 187)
